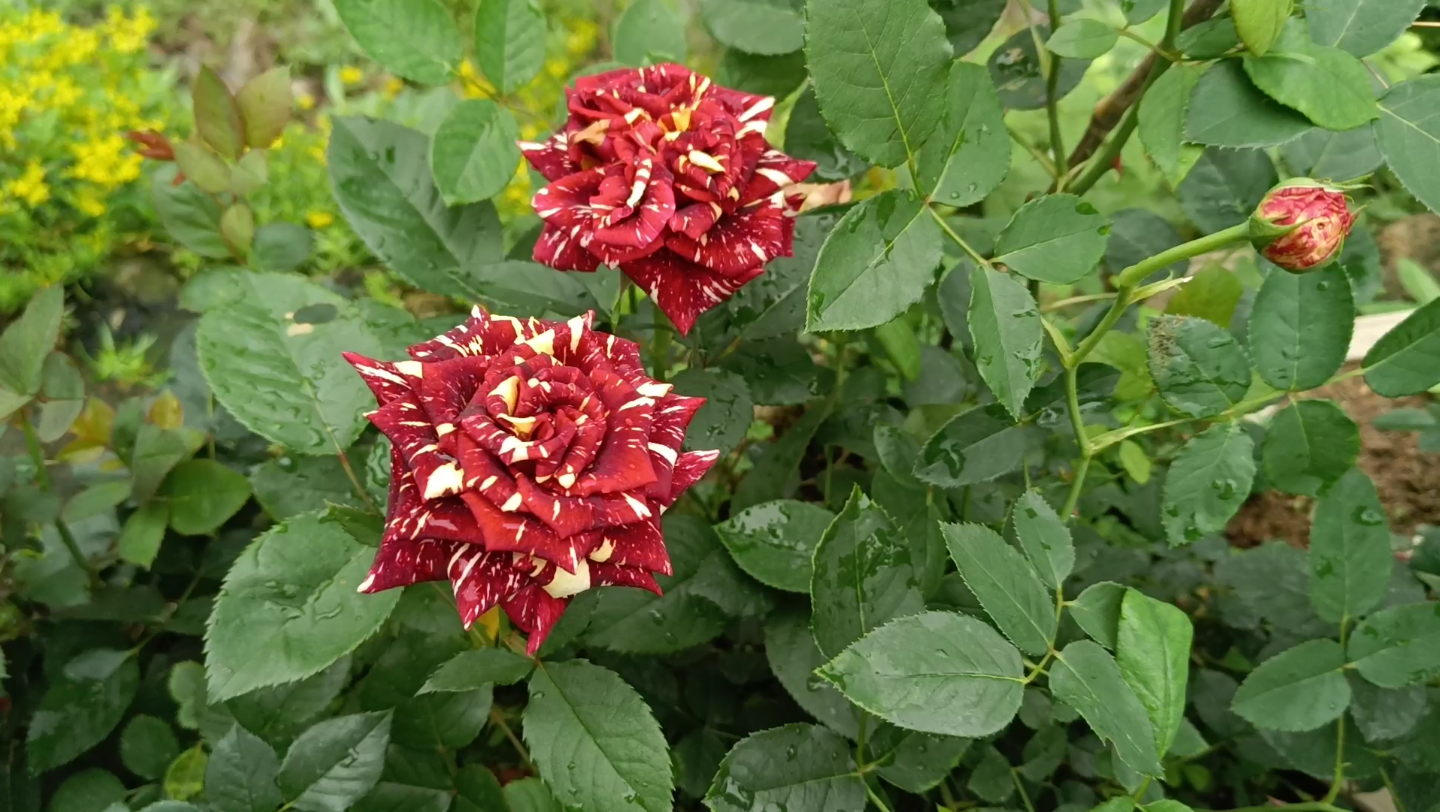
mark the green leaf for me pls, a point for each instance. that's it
(289, 486)
(1210, 39)
(582, 714)
(1086, 678)
(1361, 27)
(793, 656)
(202, 166)
(283, 379)
(237, 226)
(526, 288)
(774, 473)
(1138, 11)
(89, 790)
(1207, 483)
(862, 578)
(281, 246)
(202, 495)
(1308, 446)
(877, 262)
(473, 153)
(1005, 584)
(1299, 689)
(252, 173)
(189, 215)
(336, 762)
(776, 76)
(380, 174)
(1162, 117)
(879, 71)
(1044, 538)
(289, 608)
(478, 790)
(808, 138)
(265, 105)
(217, 117)
(1398, 646)
(1260, 22)
(1082, 38)
(992, 779)
(648, 31)
(413, 39)
(530, 795)
(147, 746)
(471, 670)
(1211, 294)
(1153, 652)
(1134, 460)
(797, 767)
(968, 22)
(241, 773)
(758, 26)
(26, 343)
(915, 762)
(1331, 87)
(509, 42)
(703, 590)
(728, 411)
(1300, 327)
(1019, 73)
(281, 712)
(775, 541)
(1385, 714)
(936, 672)
(1005, 326)
(1055, 238)
(1225, 186)
(1334, 156)
(1097, 610)
(1350, 557)
(968, 156)
(186, 777)
(143, 533)
(975, 446)
(83, 702)
(1200, 369)
(1226, 109)
(1406, 360)
(897, 338)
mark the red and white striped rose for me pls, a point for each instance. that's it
(668, 176)
(530, 461)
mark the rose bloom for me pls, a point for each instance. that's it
(667, 176)
(530, 461)
(1324, 221)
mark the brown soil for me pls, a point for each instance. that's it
(1407, 478)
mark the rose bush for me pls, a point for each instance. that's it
(923, 498)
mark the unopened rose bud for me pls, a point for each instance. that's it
(1301, 225)
(152, 144)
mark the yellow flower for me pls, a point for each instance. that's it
(351, 75)
(393, 86)
(30, 187)
(90, 203)
(305, 101)
(319, 219)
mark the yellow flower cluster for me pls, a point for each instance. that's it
(67, 95)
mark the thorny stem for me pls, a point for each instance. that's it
(1035, 152)
(514, 741)
(42, 478)
(355, 480)
(960, 241)
(875, 799)
(1015, 776)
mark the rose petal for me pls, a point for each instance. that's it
(682, 289)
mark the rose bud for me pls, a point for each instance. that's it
(530, 461)
(1301, 225)
(153, 145)
(669, 177)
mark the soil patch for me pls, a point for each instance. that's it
(1407, 478)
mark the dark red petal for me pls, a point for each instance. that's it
(481, 580)
(739, 243)
(682, 289)
(559, 247)
(615, 575)
(535, 613)
(623, 461)
(691, 466)
(569, 515)
(405, 423)
(639, 545)
(465, 339)
(695, 219)
(384, 378)
(550, 157)
(774, 171)
(404, 562)
(515, 532)
(667, 435)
